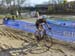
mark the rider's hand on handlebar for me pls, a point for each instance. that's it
(49, 28)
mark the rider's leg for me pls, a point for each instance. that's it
(41, 31)
(38, 32)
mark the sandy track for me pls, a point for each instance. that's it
(18, 43)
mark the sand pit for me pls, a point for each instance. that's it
(18, 43)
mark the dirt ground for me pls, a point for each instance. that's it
(19, 43)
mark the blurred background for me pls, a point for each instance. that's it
(28, 8)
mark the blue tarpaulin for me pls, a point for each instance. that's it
(61, 30)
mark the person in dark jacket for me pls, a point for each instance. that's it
(40, 21)
(40, 29)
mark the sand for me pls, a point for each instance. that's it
(15, 42)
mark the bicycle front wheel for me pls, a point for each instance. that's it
(47, 41)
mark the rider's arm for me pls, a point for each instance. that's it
(48, 26)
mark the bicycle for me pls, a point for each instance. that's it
(41, 44)
(47, 40)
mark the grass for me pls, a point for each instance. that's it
(8, 15)
(1, 16)
(53, 18)
(64, 18)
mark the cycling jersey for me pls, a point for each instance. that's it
(39, 21)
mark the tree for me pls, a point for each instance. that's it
(16, 6)
(8, 2)
(65, 1)
(19, 3)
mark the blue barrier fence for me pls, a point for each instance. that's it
(60, 32)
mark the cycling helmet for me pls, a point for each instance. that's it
(44, 17)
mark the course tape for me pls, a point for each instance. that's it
(58, 31)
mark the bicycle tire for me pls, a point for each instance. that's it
(48, 41)
(45, 44)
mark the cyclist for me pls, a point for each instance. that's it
(39, 26)
(40, 21)
(39, 33)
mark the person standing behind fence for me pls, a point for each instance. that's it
(5, 19)
(13, 18)
(37, 14)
